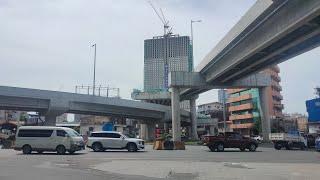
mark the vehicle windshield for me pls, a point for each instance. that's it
(72, 133)
(129, 135)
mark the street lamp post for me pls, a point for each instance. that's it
(192, 21)
(94, 69)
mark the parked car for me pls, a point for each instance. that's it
(229, 140)
(288, 140)
(258, 138)
(103, 140)
(48, 138)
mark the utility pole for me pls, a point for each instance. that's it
(224, 110)
(94, 69)
(192, 21)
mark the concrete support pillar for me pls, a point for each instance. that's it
(143, 131)
(166, 127)
(151, 132)
(193, 116)
(265, 116)
(189, 130)
(212, 131)
(176, 123)
(50, 120)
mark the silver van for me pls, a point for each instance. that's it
(48, 138)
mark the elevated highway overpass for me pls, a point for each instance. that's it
(53, 103)
(272, 31)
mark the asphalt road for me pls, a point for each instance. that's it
(197, 162)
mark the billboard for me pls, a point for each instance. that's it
(313, 109)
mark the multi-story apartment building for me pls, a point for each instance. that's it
(209, 108)
(209, 116)
(245, 106)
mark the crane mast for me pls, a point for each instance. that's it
(167, 31)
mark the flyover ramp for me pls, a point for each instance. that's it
(54, 103)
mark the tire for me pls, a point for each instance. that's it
(288, 147)
(252, 147)
(97, 147)
(277, 146)
(220, 147)
(61, 149)
(212, 148)
(242, 149)
(71, 152)
(26, 149)
(132, 147)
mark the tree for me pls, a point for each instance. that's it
(257, 129)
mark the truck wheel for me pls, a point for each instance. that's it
(220, 147)
(288, 147)
(212, 148)
(132, 147)
(277, 146)
(97, 147)
(26, 149)
(252, 147)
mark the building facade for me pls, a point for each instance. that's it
(163, 54)
(293, 122)
(244, 106)
(223, 96)
(10, 116)
(210, 118)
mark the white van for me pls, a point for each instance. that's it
(48, 138)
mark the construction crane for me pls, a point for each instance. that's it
(166, 28)
(167, 31)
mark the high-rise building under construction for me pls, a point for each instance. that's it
(163, 54)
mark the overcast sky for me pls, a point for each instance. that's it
(45, 44)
